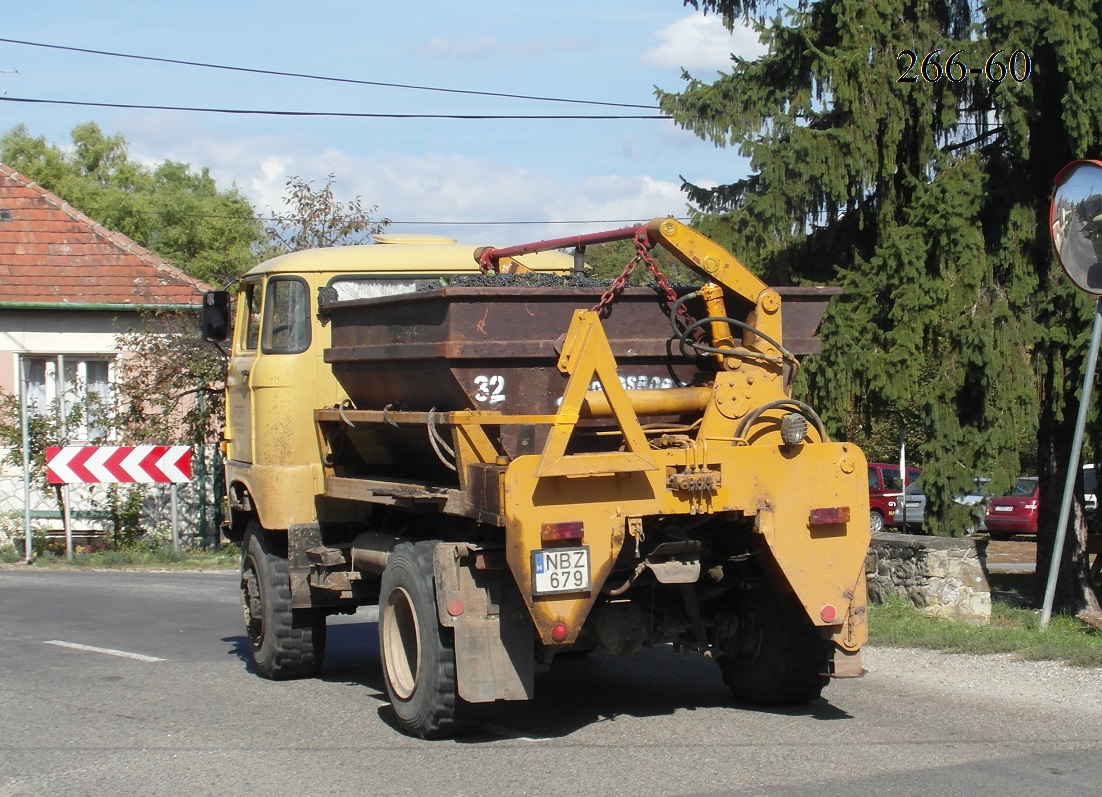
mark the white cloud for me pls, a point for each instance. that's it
(423, 193)
(700, 41)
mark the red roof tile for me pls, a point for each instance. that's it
(51, 253)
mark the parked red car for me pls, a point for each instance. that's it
(1015, 513)
(885, 487)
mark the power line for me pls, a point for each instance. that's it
(345, 114)
(329, 79)
(388, 222)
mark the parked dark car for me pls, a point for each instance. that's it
(1016, 512)
(885, 487)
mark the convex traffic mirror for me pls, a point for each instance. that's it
(1075, 223)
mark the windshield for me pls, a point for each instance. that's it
(1025, 486)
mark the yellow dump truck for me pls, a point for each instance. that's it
(514, 462)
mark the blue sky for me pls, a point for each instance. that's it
(471, 173)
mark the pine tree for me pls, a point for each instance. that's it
(905, 151)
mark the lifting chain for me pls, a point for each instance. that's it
(643, 246)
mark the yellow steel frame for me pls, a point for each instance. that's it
(748, 473)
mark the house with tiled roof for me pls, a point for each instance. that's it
(68, 288)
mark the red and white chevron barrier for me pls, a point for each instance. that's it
(111, 464)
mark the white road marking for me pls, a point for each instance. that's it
(109, 651)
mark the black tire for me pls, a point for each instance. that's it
(286, 643)
(783, 660)
(876, 521)
(417, 653)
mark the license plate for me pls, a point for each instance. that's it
(912, 504)
(1004, 509)
(556, 570)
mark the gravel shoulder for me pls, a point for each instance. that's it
(996, 677)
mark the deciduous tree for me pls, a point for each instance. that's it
(175, 212)
(315, 218)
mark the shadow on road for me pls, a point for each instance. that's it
(351, 653)
(574, 694)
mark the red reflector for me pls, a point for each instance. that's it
(825, 515)
(570, 530)
(456, 608)
(559, 632)
(829, 614)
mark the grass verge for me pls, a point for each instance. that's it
(1012, 630)
(226, 557)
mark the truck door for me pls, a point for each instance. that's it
(239, 415)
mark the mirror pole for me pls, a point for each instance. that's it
(1073, 463)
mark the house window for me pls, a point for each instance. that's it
(87, 384)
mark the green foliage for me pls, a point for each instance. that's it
(174, 212)
(126, 515)
(171, 390)
(317, 219)
(927, 202)
(608, 261)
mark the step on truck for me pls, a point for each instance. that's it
(514, 462)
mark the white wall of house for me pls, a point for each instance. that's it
(52, 332)
(82, 339)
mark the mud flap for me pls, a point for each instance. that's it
(494, 637)
(846, 664)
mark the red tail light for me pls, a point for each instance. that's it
(568, 530)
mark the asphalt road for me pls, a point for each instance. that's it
(139, 684)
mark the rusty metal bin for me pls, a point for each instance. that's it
(496, 348)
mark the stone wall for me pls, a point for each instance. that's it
(943, 576)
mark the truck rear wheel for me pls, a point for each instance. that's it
(286, 643)
(417, 652)
(783, 659)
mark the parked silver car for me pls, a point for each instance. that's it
(914, 508)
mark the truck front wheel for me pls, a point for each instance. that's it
(417, 652)
(782, 660)
(286, 643)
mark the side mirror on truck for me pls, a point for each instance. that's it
(215, 316)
